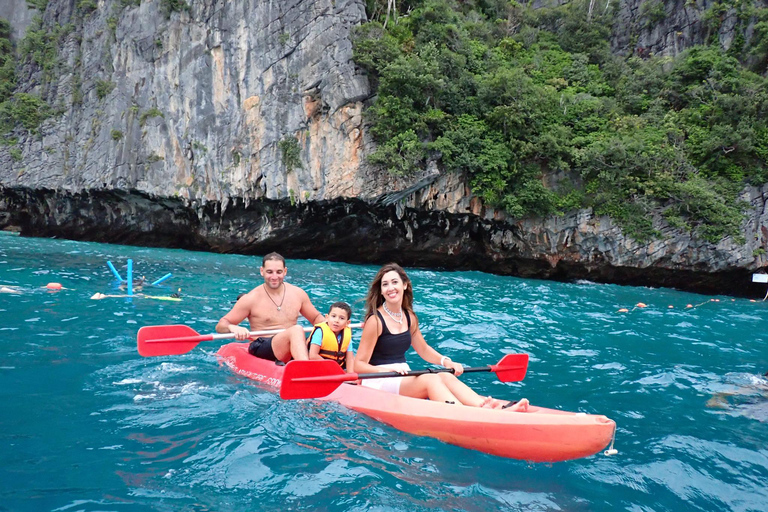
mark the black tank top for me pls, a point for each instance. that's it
(390, 348)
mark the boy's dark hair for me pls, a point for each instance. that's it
(342, 306)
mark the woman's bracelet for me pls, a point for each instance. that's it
(442, 360)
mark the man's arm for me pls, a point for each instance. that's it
(230, 323)
(309, 311)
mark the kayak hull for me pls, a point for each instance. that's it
(538, 435)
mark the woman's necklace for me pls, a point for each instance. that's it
(397, 317)
(273, 300)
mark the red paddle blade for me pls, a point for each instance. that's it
(511, 368)
(312, 379)
(168, 340)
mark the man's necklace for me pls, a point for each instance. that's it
(397, 317)
(273, 300)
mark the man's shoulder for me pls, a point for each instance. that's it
(255, 290)
(296, 289)
(252, 297)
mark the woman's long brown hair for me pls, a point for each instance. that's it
(374, 299)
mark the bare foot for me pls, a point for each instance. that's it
(490, 403)
(520, 406)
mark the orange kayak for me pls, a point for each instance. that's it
(538, 434)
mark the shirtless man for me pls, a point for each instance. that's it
(273, 305)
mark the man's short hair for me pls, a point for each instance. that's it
(272, 256)
(342, 306)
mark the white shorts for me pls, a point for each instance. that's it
(388, 384)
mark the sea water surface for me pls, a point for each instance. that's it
(86, 424)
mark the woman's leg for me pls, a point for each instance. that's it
(427, 386)
(445, 387)
(465, 394)
(468, 396)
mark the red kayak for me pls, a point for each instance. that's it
(538, 434)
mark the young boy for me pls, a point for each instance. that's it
(332, 339)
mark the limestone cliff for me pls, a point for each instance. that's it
(240, 123)
(202, 104)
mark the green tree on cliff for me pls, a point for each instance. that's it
(515, 98)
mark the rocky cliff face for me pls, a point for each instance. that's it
(228, 99)
(668, 27)
(240, 123)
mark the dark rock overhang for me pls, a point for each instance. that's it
(348, 230)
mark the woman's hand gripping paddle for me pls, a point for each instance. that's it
(174, 340)
(316, 379)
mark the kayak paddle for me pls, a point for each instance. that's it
(174, 340)
(316, 379)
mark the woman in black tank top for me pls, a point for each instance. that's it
(391, 327)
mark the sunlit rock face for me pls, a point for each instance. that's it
(204, 104)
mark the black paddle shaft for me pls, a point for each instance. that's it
(415, 373)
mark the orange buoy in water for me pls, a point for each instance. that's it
(623, 310)
(688, 306)
(641, 305)
(53, 286)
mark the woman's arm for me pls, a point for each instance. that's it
(371, 333)
(427, 353)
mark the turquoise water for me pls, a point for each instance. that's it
(87, 424)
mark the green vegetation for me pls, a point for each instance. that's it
(149, 114)
(40, 46)
(87, 6)
(515, 98)
(291, 152)
(171, 6)
(16, 109)
(112, 25)
(7, 65)
(103, 88)
(40, 5)
(116, 135)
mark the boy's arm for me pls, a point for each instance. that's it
(315, 340)
(314, 353)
